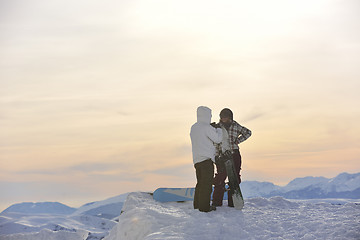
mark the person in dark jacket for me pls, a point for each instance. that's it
(236, 135)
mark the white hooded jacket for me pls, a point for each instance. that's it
(203, 136)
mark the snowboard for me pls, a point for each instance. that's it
(237, 196)
(176, 194)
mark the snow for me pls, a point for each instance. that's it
(261, 218)
(20, 225)
(108, 208)
(46, 234)
(144, 218)
(91, 221)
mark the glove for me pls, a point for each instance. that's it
(215, 125)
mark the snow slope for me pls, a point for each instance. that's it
(91, 221)
(273, 218)
(20, 226)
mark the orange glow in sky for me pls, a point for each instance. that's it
(97, 97)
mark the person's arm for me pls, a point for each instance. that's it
(244, 134)
(215, 134)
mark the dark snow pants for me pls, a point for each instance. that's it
(219, 180)
(203, 189)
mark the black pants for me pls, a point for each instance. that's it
(203, 189)
(219, 181)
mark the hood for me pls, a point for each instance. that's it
(204, 114)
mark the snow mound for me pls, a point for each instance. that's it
(273, 218)
(109, 208)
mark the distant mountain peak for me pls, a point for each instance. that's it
(40, 208)
(299, 183)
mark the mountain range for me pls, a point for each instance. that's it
(344, 186)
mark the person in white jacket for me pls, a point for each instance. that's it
(203, 136)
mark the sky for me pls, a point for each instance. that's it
(97, 97)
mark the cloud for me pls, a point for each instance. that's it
(267, 111)
(94, 171)
(96, 167)
(253, 116)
